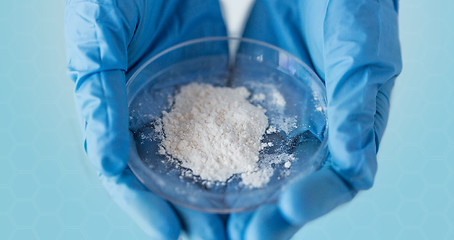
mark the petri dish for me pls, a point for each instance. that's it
(292, 94)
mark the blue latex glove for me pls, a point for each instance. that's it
(353, 46)
(106, 41)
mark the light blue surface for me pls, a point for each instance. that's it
(50, 190)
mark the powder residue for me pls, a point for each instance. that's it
(257, 178)
(215, 131)
(278, 99)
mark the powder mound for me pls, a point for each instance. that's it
(214, 131)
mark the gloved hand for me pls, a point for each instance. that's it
(106, 41)
(353, 46)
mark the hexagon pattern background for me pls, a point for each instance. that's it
(49, 189)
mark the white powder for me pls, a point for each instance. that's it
(257, 178)
(278, 100)
(268, 95)
(258, 97)
(214, 131)
(271, 129)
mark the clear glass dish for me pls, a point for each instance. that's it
(262, 69)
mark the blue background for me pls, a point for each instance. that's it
(49, 189)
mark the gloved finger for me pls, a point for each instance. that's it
(360, 60)
(237, 224)
(266, 222)
(303, 201)
(314, 196)
(152, 213)
(200, 225)
(97, 61)
(102, 103)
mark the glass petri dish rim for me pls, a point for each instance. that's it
(227, 39)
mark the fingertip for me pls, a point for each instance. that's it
(121, 149)
(164, 232)
(291, 206)
(201, 225)
(314, 196)
(237, 224)
(112, 166)
(109, 153)
(269, 223)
